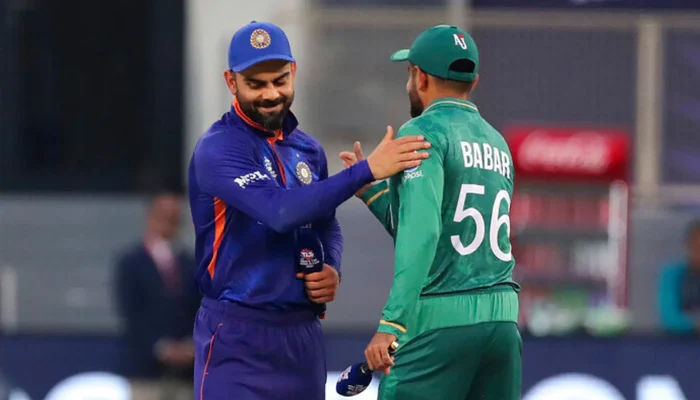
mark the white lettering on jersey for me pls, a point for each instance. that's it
(505, 165)
(270, 169)
(478, 163)
(497, 160)
(467, 154)
(412, 174)
(486, 157)
(247, 179)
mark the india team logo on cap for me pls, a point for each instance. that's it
(260, 39)
(304, 173)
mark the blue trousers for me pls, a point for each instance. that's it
(246, 354)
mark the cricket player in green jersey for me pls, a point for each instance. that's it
(453, 304)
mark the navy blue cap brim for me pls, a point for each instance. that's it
(268, 57)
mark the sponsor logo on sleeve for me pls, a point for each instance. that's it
(247, 179)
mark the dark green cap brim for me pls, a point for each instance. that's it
(401, 55)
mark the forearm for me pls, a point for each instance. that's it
(280, 208)
(377, 199)
(418, 228)
(332, 239)
(413, 259)
(418, 233)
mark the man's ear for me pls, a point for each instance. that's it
(294, 69)
(230, 78)
(476, 82)
(423, 79)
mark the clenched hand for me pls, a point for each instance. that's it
(321, 286)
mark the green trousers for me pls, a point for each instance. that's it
(471, 362)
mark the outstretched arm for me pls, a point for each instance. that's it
(377, 199)
(226, 169)
(419, 226)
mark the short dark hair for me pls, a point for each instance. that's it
(692, 229)
(461, 65)
(455, 86)
(158, 191)
(461, 87)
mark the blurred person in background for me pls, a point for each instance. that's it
(157, 301)
(257, 185)
(679, 288)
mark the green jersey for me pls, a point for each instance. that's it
(449, 218)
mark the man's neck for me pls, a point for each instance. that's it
(446, 95)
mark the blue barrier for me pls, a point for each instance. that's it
(606, 369)
(591, 4)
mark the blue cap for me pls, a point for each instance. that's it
(258, 42)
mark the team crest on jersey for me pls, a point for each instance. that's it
(304, 173)
(269, 168)
(260, 39)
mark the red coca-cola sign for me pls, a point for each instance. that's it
(552, 152)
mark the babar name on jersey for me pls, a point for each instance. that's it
(487, 157)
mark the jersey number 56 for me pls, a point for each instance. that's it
(494, 227)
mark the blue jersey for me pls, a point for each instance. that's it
(250, 190)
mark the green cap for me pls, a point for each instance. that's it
(437, 49)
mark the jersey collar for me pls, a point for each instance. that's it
(288, 126)
(452, 101)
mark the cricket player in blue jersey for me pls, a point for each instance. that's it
(255, 181)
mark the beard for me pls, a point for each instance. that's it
(416, 105)
(271, 121)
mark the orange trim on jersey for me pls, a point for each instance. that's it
(220, 224)
(272, 141)
(239, 111)
(206, 364)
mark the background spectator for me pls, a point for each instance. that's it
(157, 300)
(679, 288)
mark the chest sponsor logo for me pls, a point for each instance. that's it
(270, 169)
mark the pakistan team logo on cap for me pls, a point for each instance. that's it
(304, 173)
(260, 39)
